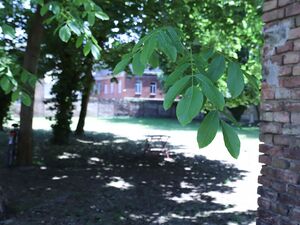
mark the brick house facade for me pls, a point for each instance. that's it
(126, 86)
(279, 201)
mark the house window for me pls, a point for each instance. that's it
(138, 87)
(120, 87)
(112, 88)
(152, 88)
(105, 89)
(97, 88)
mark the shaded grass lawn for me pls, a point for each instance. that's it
(101, 178)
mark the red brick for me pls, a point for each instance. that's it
(266, 217)
(264, 202)
(268, 93)
(293, 189)
(295, 214)
(280, 163)
(273, 15)
(294, 33)
(283, 117)
(273, 128)
(282, 93)
(279, 186)
(266, 138)
(292, 106)
(281, 140)
(271, 106)
(295, 118)
(265, 159)
(288, 46)
(297, 21)
(288, 199)
(291, 129)
(295, 166)
(270, 149)
(267, 116)
(267, 193)
(284, 2)
(291, 57)
(295, 93)
(292, 9)
(290, 82)
(264, 180)
(297, 45)
(269, 5)
(296, 70)
(285, 70)
(292, 153)
(277, 59)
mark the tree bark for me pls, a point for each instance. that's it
(88, 86)
(30, 63)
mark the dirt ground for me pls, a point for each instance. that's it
(106, 179)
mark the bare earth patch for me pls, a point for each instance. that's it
(106, 179)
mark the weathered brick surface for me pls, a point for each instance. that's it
(279, 202)
(293, 9)
(282, 117)
(291, 58)
(269, 5)
(273, 15)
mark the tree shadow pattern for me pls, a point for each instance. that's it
(106, 179)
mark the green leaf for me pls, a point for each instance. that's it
(91, 18)
(231, 140)
(148, 49)
(65, 33)
(235, 80)
(211, 92)
(24, 76)
(25, 98)
(190, 105)
(121, 65)
(208, 129)
(176, 74)
(5, 84)
(154, 60)
(74, 27)
(175, 90)
(8, 30)
(54, 7)
(15, 96)
(137, 66)
(87, 48)
(101, 15)
(166, 47)
(95, 52)
(44, 9)
(79, 41)
(175, 39)
(216, 68)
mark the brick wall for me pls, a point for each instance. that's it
(126, 87)
(279, 201)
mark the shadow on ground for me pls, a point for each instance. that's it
(105, 179)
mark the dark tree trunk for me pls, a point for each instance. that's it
(65, 95)
(5, 101)
(88, 86)
(3, 203)
(30, 63)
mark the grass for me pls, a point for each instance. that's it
(173, 124)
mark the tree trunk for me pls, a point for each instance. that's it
(88, 86)
(30, 63)
(5, 101)
(3, 203)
